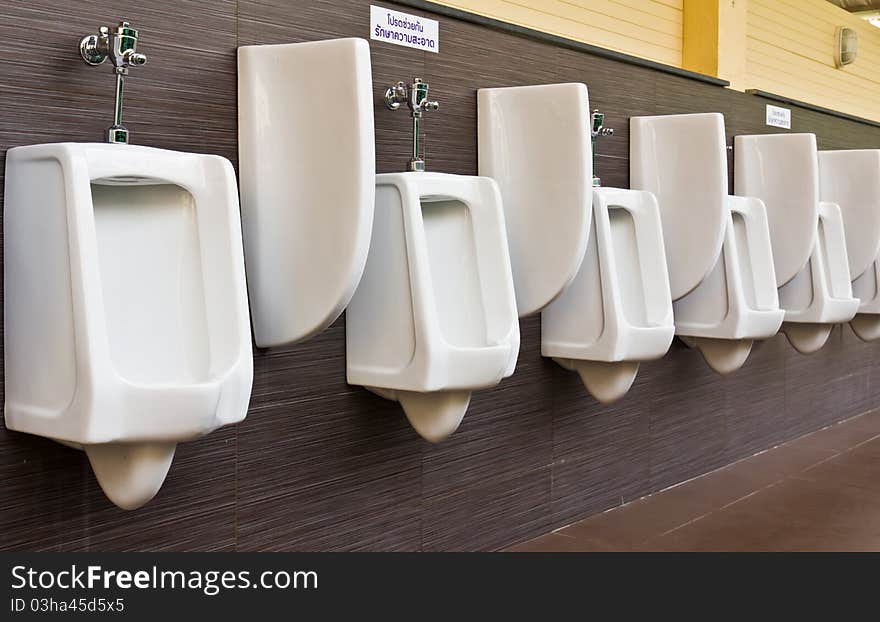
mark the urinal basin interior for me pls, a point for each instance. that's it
(435, 308)
(634, 291)
(152, 283)
(851, 179)
(455, 274)
(783, 171)
(682, 160)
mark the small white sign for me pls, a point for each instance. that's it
(778, 117)
(404, 29)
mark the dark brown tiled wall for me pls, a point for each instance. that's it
(322, 465)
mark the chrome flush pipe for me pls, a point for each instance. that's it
(598, 129)
(416, 98)
(118, 44)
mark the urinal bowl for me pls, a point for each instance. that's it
(126, 316)
(820, 295)
(737, 302)
(434, 316)
(618, 310)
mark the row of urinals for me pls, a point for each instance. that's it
(676, 254)
(126, 303)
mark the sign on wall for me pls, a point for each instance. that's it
(404, 29)
(778, 117)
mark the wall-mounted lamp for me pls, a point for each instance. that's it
(846, 42)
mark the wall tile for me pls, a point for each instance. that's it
(598, 450)
(483, 517)
(688, 428)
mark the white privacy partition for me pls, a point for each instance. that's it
(851, 179)
(307, 165)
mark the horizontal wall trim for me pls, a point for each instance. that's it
(427, 5)
(794, 102)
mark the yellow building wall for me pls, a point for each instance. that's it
(787, 47)
(790, 51)
(647, 28)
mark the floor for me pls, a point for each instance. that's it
(820, 492)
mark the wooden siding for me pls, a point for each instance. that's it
(646, 28)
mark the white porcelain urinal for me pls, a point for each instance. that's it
(307, 165)
(717, 246)
(851, 179)
(618, 310)
(590, 259)
(434, 316)
(807, 236)
(126, 318)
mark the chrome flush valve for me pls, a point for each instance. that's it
(598, 129)
(416, 97)
(119, 44)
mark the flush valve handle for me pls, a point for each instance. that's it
(598, 129)
(395, 96)
(118, 45)
(415, 96)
